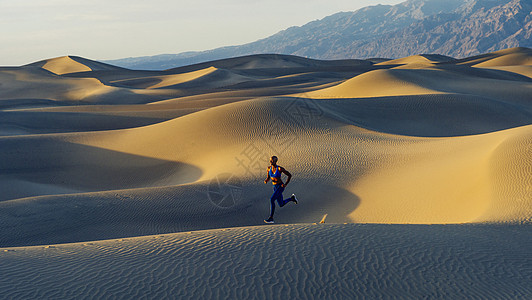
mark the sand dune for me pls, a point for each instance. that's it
(378, 83)
(72, 64)
(426, 59)
(273, 61)
(521, 70)
(283, 261)
(36, 85)
(165, 80)
(65, 65)
(508, 57)
(430, 81)
(93, 152)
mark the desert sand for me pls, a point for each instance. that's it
(122, 183)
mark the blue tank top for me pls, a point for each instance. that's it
(276, 175)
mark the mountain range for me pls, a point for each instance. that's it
(455, 28)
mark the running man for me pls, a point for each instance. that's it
(274, 173)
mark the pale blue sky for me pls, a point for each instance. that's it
(31, 30)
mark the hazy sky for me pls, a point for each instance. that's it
(31, 30)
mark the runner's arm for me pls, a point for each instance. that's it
(267, 178)
(287, 174)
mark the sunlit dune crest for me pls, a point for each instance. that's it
(118, 166)
(65, 65)
(377, 83)
(417, 59)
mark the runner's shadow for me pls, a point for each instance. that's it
(316, 200)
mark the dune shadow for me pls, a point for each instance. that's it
(6, 104)
(48, 167)
(38, 122)
(485, 73)
(137, 83)
(82, 217)
(427, 115)
(317, 200)
(237, 203)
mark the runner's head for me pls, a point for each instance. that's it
(273, 160)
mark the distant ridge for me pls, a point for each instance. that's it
(453, 28)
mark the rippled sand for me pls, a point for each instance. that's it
(107, 174)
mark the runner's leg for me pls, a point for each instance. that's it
(277, 190)
(280, 200)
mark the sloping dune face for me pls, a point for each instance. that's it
(64, 65)
(107, 152)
